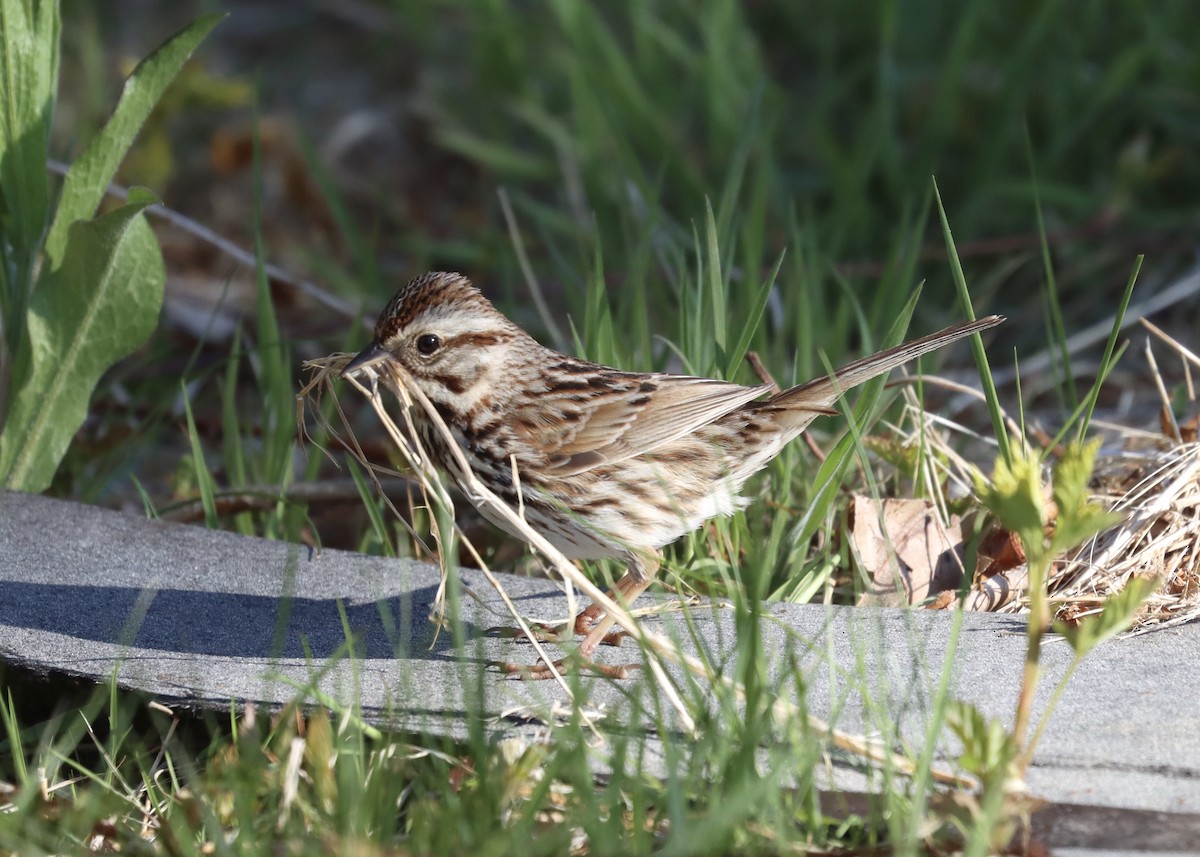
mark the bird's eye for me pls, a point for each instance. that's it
(428, 343)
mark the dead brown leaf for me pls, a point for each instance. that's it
(905, 550)
(999, 551)
(1166, 424)
(1001, 573)
(1189, 430)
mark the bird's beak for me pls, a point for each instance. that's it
(369, 356)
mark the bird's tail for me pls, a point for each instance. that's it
(818, 395)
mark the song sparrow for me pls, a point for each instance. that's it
(610, 463)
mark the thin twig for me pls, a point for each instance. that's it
(761, 371)
(1168, 416)
(258, 498)
(1180, 290)
(1183, 352)
(233, 251)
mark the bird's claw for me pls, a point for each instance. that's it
(547, 633)
(542, 671)
(539, 632)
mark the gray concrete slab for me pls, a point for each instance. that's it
(201, 618)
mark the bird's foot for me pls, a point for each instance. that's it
(538, 631)
(542, 671)
(544, 632)
(589, 618)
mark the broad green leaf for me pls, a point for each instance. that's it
(28, 78)
(99, 305)
(92, 171)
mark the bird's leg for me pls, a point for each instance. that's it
(594, 623)
(590, 615)
(642, 568)
(585, 621)
(602, 633)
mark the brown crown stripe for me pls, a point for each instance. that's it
(436, 288)
(439, 291)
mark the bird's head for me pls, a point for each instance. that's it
(447, 335)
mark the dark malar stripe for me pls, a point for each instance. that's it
(457, 384)
(448, 414)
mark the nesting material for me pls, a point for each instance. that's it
(1150, 479)
(1159, 537)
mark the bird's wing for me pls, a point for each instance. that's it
(624, 416)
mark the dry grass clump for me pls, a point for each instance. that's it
(1153, 481)
(1150, 479)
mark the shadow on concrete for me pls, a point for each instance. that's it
(230, 624)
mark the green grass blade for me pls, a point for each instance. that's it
(148, 504)
(753, 320)
(1058, 330)
(834, 466)
(16, 747)
(236, 466)
(99, 305)
(273, 363)
(964, 299)
(1076, 414)
(379, 524)
(92, 171)
(1106, 361)
(715, 280)
(204, 478)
